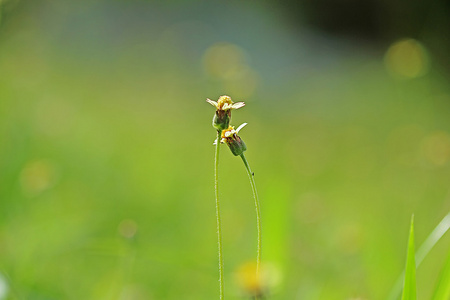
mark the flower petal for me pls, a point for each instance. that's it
(229, 133)
(227, 106)
(213, 103)
(240, 127)
(237, 105)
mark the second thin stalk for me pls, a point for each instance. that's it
(258, 214)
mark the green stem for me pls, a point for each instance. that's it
(219, 227)
(258, 213)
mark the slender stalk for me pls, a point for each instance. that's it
(219, 227)
(258, 213)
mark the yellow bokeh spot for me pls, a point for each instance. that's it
(252, 284)
(407, 58)
(436, 148)
(247, 278)
(227, 63)
(37, 176)
(223, 60)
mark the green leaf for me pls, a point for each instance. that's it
(423, 251)
(442, 291)
(409, 283)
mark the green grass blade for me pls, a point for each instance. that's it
(409, 284)
(432, 239)
(423, 251)
(442, 291)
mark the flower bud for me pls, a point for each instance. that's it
(234, 142)
(221, 119)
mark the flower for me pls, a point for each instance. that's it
(234, 142)
(223, 106)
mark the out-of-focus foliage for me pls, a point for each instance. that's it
(106, 156)
(409, 285)
(442, 290)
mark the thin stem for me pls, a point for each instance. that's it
(258, 214)
(219, 227)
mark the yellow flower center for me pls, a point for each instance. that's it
(226, 133)
(224, 100)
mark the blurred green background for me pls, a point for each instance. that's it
(106, 156)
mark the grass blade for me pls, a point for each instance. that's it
(442, 291)
(423, 251)
(409, 284)
(432, 239)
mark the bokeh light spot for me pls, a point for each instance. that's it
(251, 285)
(37, 176)
(224, 60)
(128, 228)
(227, 63)
(407, 58)
(436, 148)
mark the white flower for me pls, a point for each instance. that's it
(225, 103)
(230, 131)
(234, 142)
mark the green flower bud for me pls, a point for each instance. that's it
(221, 119)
